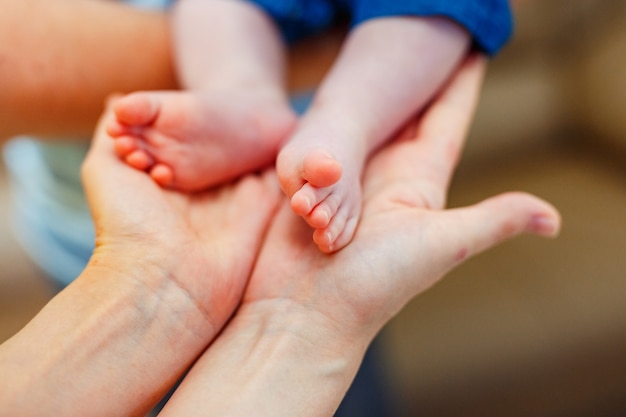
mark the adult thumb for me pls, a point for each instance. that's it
(500, 218)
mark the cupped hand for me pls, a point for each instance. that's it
(204, 244)
(406, 240)
(167, 272)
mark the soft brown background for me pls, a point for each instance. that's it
(533, 327)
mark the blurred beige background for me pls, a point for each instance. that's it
(533, 327)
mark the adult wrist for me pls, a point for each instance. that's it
(119, 330)
(284, 316)
(274, 358)
(304, 345)
(152, 287)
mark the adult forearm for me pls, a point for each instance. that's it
(274, 359)
(110, 344)
(60, 59)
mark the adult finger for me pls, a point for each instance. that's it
(479, 227)
(453, 236)
(100, 156)
(106, 179)
(443, 129)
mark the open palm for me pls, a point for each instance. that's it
(406, 241)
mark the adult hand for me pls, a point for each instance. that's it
(307, 318)
(167, 272)
(203, 243)
(406, 241)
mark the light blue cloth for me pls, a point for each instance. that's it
(50, 216)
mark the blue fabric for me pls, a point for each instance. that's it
(298, 19)
(490, 22)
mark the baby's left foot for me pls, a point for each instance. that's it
(323, 191)
(191, 141)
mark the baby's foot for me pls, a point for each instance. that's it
(324, 192)
(191, 141)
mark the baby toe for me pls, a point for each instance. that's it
(124, 146)
(162, 175)
(307, 198)
(140, 160)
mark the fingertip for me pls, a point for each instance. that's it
(547, 221)
(505, 216)
(543, 218)
(113, 129)
(545, 225)
(111, 99)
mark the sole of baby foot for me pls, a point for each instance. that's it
(201, 140)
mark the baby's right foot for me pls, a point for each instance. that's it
(191, 141)
(322, 177)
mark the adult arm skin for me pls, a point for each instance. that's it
(167, 272)
(307, 318)
(60, 59)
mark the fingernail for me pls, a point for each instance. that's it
(544, 226)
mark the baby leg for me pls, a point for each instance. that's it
(387, 70)
(234, 112)
(194, 140)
